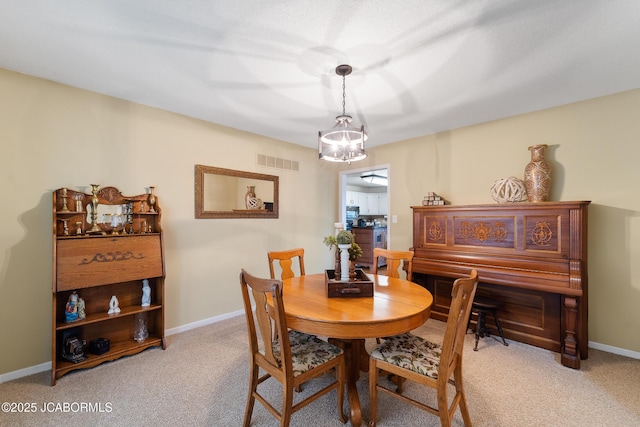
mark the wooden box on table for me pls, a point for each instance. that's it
(360, 286)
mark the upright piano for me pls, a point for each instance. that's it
(531, 257)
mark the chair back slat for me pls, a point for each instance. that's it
(285, 261)
(395, 260)
(462, 294)
(269, 318)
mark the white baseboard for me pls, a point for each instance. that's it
(47, 365)
(25, 372)
(204, 322)
(615, 350)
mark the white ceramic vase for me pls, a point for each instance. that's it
(344, 262)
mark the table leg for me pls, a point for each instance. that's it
(356, 360)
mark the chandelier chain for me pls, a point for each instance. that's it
(344, 95)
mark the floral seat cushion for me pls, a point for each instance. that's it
(410, 352)
(307, 351)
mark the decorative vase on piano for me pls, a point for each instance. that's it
(537, 175)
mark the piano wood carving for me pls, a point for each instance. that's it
(530, 256)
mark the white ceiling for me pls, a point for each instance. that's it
(268, 67)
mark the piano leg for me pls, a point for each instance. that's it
(570, 355)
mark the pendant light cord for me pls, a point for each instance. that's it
(344, 94)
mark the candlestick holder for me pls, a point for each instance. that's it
(128, 213)
(152, 199)
(65, 207)
(65, 227)
(95, 228)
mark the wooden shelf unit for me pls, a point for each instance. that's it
(99, 265)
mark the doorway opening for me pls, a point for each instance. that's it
(364, 198)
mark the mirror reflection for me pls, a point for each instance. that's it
(228, 193)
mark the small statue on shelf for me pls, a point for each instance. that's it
(113, 306)
(81, 313)
(74, 309)
(146, 293)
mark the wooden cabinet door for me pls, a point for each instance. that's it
(363, 202)
(352, 198)
(102, 260)
(372, 201)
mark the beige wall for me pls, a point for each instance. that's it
(594, 152)
(55, 136)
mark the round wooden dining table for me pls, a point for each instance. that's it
(397, 306)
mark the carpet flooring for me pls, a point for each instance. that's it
(201, 379)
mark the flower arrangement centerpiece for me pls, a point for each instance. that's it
(348, 250)
(343, 237)
(355, 252)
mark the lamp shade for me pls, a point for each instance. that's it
(343, 142)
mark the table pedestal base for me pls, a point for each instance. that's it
(356, 361)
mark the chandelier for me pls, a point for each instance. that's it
(343, 142)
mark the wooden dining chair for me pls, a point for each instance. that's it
(292, 359)
(394, 260)
(285, 260)
(433, 365)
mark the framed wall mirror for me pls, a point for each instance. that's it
(229, 193)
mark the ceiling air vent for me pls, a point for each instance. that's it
(278, 163)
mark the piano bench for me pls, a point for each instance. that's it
(483, 306)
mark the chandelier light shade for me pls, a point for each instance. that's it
(343, 142)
